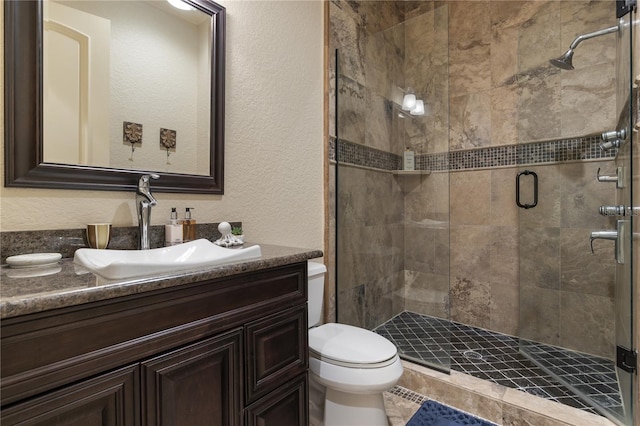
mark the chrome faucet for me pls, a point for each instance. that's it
(144, 202)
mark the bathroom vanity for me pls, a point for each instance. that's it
(219, 346)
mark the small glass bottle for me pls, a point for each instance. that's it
(188, 226)
(173, 230)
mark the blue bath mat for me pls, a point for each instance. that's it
(432, 413)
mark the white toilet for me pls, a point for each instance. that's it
(350, 367)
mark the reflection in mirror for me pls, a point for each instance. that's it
(119, 88)
(108, 65)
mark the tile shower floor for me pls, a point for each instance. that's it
(496, 357)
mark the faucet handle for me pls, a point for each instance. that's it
(617, 236)
(604, 235)
(619, 178)
(144, 179)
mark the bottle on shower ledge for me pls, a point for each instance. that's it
(188, 226)
(409, 159)
(173, 230)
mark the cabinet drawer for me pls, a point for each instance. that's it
(107, 400)
(277, 351)
(286, 406)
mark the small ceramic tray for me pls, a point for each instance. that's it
(33, 260)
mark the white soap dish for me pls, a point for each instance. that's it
(33, 260)
(31, 272)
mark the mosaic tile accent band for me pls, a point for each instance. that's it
(361, 155)
(554, 151)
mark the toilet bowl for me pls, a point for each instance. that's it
(350, 367)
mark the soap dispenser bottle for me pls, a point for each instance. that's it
(409, 158)
(188, 226)
(173, 230)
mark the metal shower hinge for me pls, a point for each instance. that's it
(624, 6)
(626, 359)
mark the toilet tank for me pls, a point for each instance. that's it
(315, 272)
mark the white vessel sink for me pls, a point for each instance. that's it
(118, 264)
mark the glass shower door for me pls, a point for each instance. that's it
(392, 225)
(575, 275)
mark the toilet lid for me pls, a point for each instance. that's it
(348, 344)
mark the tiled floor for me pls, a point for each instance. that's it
(401, 404)
(496, 357)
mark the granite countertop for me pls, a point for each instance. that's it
(67, 284)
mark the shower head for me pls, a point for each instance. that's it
(565, 61)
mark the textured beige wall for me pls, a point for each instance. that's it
(274, 139)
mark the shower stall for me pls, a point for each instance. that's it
(505, 253)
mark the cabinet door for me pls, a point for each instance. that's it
(108, 400)
(197, 385)
(277, 351)
(286, 406)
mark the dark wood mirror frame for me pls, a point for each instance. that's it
(24, 166)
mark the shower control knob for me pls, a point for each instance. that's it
(613, 135)
(605, 178)
(612, 139)
(617, 236)
(612, 210)
(618, 178)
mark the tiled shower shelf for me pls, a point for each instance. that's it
(411, 172)
(496, 357)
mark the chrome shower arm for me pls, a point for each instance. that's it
(565, 61)
(587, 36)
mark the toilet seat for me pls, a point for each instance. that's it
(358, 380)
(348, 346)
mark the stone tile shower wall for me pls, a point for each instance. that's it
(454, 240)
(370, 202)
(371, 246)
(503, 92)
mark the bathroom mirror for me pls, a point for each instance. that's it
(156, 137)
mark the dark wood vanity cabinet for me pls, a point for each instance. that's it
(230, 351)
(105, 400)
